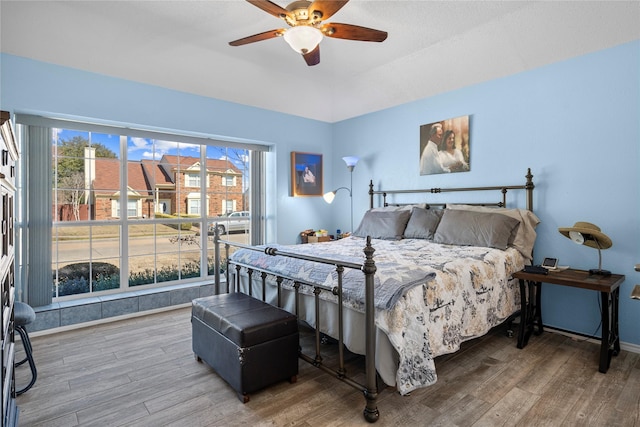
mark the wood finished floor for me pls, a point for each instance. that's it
(141, 372)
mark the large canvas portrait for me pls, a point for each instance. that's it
(306, 174)
(445, 146)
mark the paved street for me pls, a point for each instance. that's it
(109, 249)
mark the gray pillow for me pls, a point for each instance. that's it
(383, 224)
(523, 237)
(423, 223)
(469, 228)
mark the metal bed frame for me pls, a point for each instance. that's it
(369, 387)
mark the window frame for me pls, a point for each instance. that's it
(27, 122)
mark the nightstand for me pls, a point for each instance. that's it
(608, 286)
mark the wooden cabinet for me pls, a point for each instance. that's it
(9, 156)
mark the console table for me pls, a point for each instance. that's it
(608, 286)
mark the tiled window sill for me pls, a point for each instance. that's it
(77, 312)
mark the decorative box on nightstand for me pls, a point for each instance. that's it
(313, 236)
(317, 239)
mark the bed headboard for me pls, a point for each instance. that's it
(503, 189)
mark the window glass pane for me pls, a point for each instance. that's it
(105, 241)
(173, 188)
(228, 190)
(167, 268)
(142, 218)
(85, 259)
(85, 173)
(211, 261)
(141, 239)
(142, 270)
(228, 195)
(168, 238)
(105, 274)
(105, 189)
(189, 264)
(71, 244)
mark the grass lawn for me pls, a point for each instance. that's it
(112, 231)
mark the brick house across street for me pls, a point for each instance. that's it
(171, 185)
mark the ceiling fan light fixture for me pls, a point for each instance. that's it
(303, 38)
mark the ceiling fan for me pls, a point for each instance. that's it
(307, 28)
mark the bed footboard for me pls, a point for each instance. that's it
(299, 296)
(369, 388)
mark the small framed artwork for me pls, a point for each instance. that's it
(445, 146)
(306, 174)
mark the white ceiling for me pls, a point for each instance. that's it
(433, 47)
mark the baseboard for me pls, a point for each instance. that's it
(633, 348)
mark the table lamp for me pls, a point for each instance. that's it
(585, 233)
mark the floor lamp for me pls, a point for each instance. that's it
(351, 162)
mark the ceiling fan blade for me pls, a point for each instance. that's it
(326, 8)
(258, 37)
(353, 32)
(270, 8)
(313, 57)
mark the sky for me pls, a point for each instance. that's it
(145, 148)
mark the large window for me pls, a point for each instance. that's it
(193, 179)
(132, 208)
(165, 235)
(194, 206)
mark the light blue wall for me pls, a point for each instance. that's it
(33, 87)
(575, 124)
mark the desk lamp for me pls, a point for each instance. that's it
(585, 233)
(351, 162)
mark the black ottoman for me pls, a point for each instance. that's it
(249, 343)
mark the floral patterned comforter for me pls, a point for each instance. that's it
(432, 296)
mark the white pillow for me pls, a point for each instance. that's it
(524, 235)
